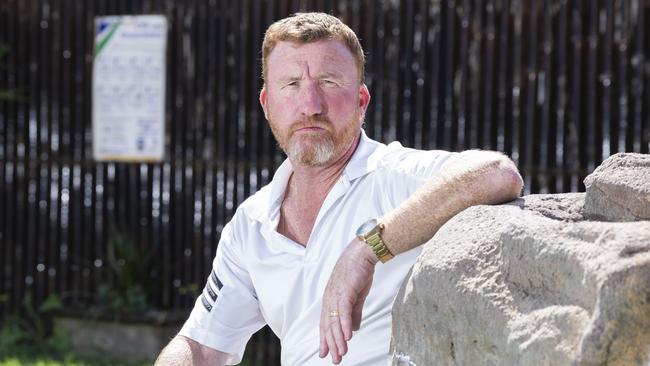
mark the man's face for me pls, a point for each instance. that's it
(313, 100)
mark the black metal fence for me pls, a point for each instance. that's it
(557, 85)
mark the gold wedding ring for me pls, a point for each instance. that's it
(334, 313)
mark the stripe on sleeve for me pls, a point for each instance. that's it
(205, 302)
(214, 277)
(213, 295)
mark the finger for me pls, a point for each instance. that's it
(324, 349)
(332, 347)
(346, 324)
(323, 327)
(341, 343)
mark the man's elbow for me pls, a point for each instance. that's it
(511, 180)
(505, 181)
(497, 179)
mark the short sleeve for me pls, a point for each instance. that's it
(401, 171)
(227, 312)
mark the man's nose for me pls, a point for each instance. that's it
(313, 101)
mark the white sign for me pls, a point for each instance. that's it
(129, 88)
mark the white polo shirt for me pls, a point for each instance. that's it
(261, 277)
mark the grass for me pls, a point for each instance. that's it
(27, 343)
(31, 356)
(70, 360)
(53, 351)
(31, 340)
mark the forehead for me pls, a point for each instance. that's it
(320, 56)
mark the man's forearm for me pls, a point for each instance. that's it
(182, 351)
(466, 179)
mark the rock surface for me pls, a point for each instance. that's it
(534, 282)
(619, 189)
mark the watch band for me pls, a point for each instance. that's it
(376, 243)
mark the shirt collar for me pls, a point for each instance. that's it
(363, 161)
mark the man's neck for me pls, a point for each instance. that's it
(307, 189)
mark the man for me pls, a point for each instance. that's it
(291, 257)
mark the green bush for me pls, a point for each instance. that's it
(31, 333)
(30, 340)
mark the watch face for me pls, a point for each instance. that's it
(366, 227)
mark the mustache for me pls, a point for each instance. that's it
(314, 121)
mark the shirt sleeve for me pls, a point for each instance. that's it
(404, 170)
(227, 312)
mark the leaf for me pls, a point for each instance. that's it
(53, 302)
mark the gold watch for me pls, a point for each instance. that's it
(370, 233)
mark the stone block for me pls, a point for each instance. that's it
(619, 189)
(528, 283)
(114, 341)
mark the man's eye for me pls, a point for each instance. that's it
(329, 82)
(292, 83)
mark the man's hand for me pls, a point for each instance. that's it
(343, 299)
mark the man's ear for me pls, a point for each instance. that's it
(364, 99)
(263, 101)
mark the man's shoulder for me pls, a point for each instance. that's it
(395, 156)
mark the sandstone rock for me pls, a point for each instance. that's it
(619, 189)
(529, 283)
(562, 207)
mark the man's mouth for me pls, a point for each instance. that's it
(310, 129)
